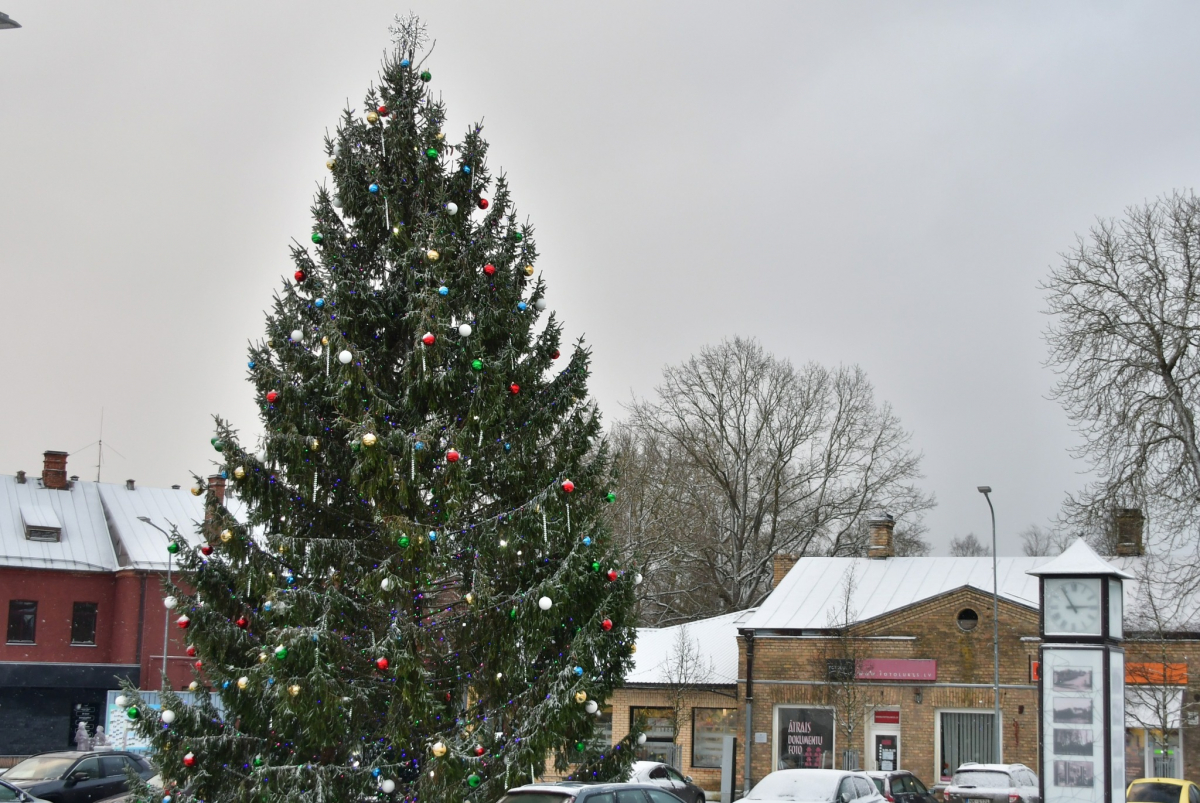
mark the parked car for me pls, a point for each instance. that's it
(75, 777)
(588, 793)
(14, 794)
(1162, 790)
(667, 777)
(125, 797)
(816, 786)
(999, 783)
(901, 786)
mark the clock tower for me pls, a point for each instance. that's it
(1082, 679)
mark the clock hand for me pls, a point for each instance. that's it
(1071, 604)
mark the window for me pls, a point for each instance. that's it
(7, 793)
(658, 796)
(915, 783)
(968, 619)
(630, 796)
(604, 724)
(658, 774)
(89, 765)
(22, 621)
(863, 786)
(114, 766)
(1154, 793)
(710, 726)
(660, 734)
(804, 738)
(83, 623)
(967, 737)
(674, 775)
(847, 791)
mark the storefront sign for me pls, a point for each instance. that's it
(804, 738)
(1153, 674)
(887, 717)
(922, 669)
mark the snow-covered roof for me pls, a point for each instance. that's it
(714, 639)
(1079, 558)
(83, 544)
(140, 545)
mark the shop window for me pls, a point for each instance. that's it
(22, 621)
(968, 619)
(804, 738)
(83, 623)
(710, 726)
(966, 736)
(660, 734)
(1165, 754)
(604, 725)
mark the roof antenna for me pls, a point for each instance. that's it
(100, 451)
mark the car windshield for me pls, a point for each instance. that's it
(983, 779)
(39, 768)
(1154, 793)
(878, 784)
(538, 797)
(795, 786)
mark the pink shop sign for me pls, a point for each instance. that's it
(924, 669)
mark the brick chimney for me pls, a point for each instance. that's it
(1130, 523)
(782, 565)
(54, 470)
(216, 484)
(882, 544)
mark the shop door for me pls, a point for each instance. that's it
(885, 741)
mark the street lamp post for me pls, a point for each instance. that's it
(166, 613)
(986, 490)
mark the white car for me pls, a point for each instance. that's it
(816, 786)
(666, 777)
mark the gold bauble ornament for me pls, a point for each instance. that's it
(395, 231)
(439, 749)
(440, 136)
(262, 659)
(432, 255)
(632, 649)
(283, 549)
(372, 118)
(330, 163)
(470, 598)
(226, 536)
(294, 690)
(528, 270)
(369, 439)
(239, 473)
(197, 491)
(193, 686)
(314, 445)
(325, 341)
(243, 682)
(581, 697)
(270, 575)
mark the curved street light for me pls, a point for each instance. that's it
(166, 613)
(986, 490)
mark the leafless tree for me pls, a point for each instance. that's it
(968, 546)
(743, 456)
(1124, 334)
(841, 652)
(688, 670)
(1037, 541)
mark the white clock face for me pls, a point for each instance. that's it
(1072, 606)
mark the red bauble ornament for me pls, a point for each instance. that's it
(448, 697)
(428, 338)
(383, 111)
(191, 650)
(242, 622)
(382, 663)
(206, 550)
(612, 575)
(483, 203)
(272, 396)
(183, 622)
(199, 664)
(489, 269)
(568, 486)
(514, 388)
(479, 751)
(554, 354)
(300, 275)
(189, 760)
(606, 624)
(452, 456)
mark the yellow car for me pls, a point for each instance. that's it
(1162, 790)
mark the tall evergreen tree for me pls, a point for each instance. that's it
(419, 599)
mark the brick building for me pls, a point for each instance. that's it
(80, 584)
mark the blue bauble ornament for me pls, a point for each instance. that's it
(225, 685)
(521, 306)
(587, 540)
(270, 681)
(268, 606)
(443, 290)
(320, 302)
(405, 63)
(167, 799)
(374, 188)
(251, 364)
(375, 772)
(432, 536)
(467, 169)
(578, 671)
(315, 637)
(224, 474)
(418, 446)
(507, 447)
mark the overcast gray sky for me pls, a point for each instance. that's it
(872, 183)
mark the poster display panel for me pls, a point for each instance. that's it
(1073, 684)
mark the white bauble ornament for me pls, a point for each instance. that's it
(544, 603)
(386, 584)
(388, 786)
(499, 675)
(465, 330)
(170, 602)
(122, 701)
(344, 357)
(337, 202)
(296, 335)
(168, 716)
(591, 707)
(641, 738)
(452, 208)
(540, 304)
(637, 579)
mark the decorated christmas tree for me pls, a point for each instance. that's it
(417, 598)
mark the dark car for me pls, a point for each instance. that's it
(13, 794)
(589, 793)
(901, 786)
(993, 783)
(666, 777)
(75, 777)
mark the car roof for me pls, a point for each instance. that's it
(990, 767)
(572, 788)
(815, 771)
(1172, 781)
(886, 773)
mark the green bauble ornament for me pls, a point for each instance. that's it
(474, 780)
(213, 440)
(518, 236)
(354, 447)
(317, 237)
(258, 761)
(477, 365)
(512, 614)
(403, 541)
(132, 712)
(610, 497)
(595, 566)
(219, 446)
(172, 547)
(426, 76)
(431, 154)
(580, 746)
(281, 652)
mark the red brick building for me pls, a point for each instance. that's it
(81, 571)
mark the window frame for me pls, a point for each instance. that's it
(76, 608)
(12, 609)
